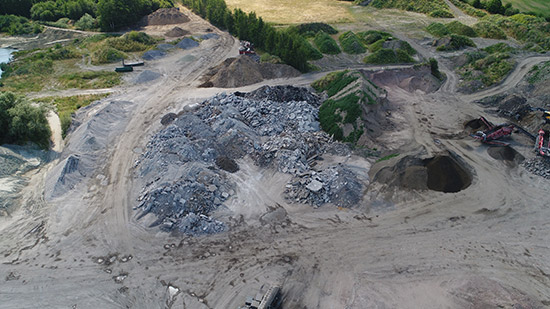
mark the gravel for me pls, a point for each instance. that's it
(187, 43)
(185, 166)
(153, 54)
(538, 166)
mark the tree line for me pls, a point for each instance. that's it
(287, 45)
(111, 14)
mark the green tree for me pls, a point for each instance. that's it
(16, 7)
(495, 7)
(477, 4)
(21, 121)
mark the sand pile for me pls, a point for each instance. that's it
(409, 79)
(242, 71)
(176, 32)
(164, 17)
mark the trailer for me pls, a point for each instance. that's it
(133, 64)
(124, 69)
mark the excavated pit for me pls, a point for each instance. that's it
(505, 153)
(446, 174)
(443, 173)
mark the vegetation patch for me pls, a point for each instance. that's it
(90, 79)
(385, 158)
(524, 28)
(351, 43)
(487, 67)
(389, 56)
(326, 44)
(311, 29)
(334, 82)
(372, 36)
(454, 27)
(435, 7)
(334, 112)
(539, 73)
(22, 122)
(66, 106)
(17, 25)
(489, 30)
(456, 42)
(438, 30)
(468, 9)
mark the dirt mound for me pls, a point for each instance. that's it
(283, 94)
(444, 173)
(187, 43)
(409, 79)
(176, 32)
(243, 71)
(505, 153)
(164, 17)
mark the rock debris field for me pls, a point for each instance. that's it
(186, 165)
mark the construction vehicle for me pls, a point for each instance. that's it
(270, 300)
(545, 113)
(494, 133)
(246, 48)
(540, 148)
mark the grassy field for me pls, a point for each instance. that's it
(294, 12)
(537, 6)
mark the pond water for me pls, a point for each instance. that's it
(5, 55)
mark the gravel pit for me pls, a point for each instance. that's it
(505, 153)
(442, 173)
(446, 174)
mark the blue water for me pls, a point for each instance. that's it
(5, 56)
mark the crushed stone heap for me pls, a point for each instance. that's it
(186, 165)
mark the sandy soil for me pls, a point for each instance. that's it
(484, 247)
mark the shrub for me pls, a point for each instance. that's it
(388, 56)
(372, 36)
(16, 25)
(107, 55)
(351, 43)
(86, 22)
(311, 29)
(438, 29)
(434, 67)
(456, 42)
(21, 121)
(466, 8)
(267, 58)
(326, 44)
(489, 30)
(330, 118)
(498, 48)
(334, 82)
(311, 52)
(420, 6)
(441, 13)
(457, 27)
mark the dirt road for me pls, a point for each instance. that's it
(483, 247)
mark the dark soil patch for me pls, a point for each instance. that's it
(445, 174)
(168, 119)
(506, 153)
(227, 164)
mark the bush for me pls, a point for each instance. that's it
(441, 14)
(434, 67)
(107, 55)
(389, 56)
(326, 44)
(334, 82)
(16, 25)
(311, 29)
(351, 43)
(438, 29)
(311, 52)
(498, 48)
(86, 22)
(22, 121)
(267, 58)
(489, 30)
(376, 46)
(466, 8)
(371, 36)
(456, 42)
(457, 27)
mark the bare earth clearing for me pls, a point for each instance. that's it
(486, 246)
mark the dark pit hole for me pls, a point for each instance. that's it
(505, 153)
(227, 164)
(445, 174)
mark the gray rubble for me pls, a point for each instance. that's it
(187, 43)
(538, 166)
(185, 166)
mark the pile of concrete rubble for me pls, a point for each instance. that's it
(185, 168)
(538, 166)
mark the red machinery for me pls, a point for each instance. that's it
(540, 149)
(246, 48)
(493, 133)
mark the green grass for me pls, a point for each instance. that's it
(334, 82)
(385, 158)
(351, 43)
(524, 28)
(494, 63)
(66, 106)
(90, 79)
(437, 30)
(489, 30)
(539, 73)
(311, 29)
(536, 6)
(457, 27)
(326, 44)
(330, 116)
(388, 56)
(435, 7)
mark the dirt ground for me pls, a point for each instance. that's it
(486, 246)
